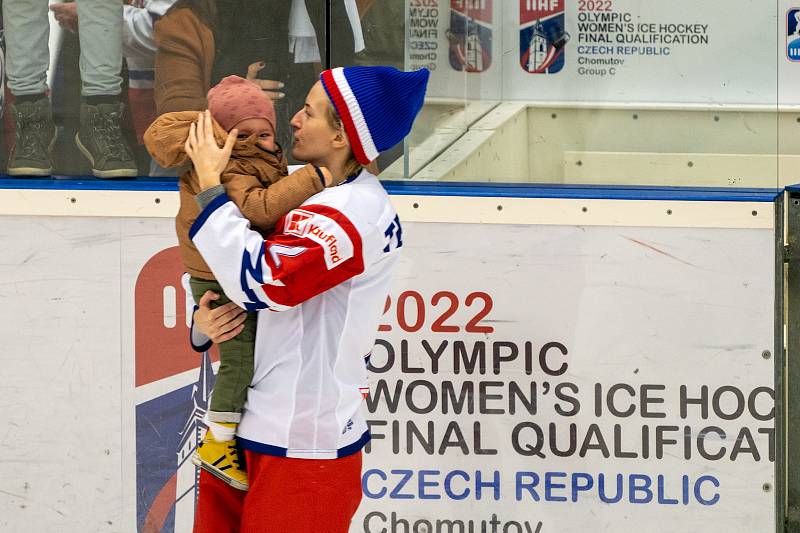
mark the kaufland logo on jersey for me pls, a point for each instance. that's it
(542, 36)
(296, 222)
(328, 240)
(323, 230)
(793, 34)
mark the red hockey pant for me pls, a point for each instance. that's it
(285, 496)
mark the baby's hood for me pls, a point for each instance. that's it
(165, 139)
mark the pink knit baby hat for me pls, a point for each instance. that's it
(235, 99)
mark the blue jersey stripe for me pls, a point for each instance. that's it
(278, 451)
(215, 204)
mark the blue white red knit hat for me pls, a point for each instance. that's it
(377, 105)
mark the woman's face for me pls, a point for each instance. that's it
(313, 134)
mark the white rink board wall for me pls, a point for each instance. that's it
(632, 312)
(713, 52)
(563, 378)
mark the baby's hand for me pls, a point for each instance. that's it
(208, 158)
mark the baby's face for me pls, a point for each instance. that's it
(265, 134)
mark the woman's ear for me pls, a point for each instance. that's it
(340, 140)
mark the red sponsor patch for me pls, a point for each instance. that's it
(297, 221)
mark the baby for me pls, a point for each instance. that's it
(257, 180)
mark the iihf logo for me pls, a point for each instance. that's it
(470, 35)
(793, 34)
(542, 36)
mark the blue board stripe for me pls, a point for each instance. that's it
(478, 190)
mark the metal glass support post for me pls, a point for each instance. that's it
(787, 368)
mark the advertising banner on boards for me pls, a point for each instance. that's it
(680, 52)
(574, 378)
(524, 378)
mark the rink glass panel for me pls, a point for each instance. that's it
(598, 92)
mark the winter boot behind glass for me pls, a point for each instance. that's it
(100, 140)
(35, 136)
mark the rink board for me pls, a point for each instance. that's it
(601, 361)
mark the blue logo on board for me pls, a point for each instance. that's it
(793, 34)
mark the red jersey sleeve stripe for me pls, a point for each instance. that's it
(301, 277)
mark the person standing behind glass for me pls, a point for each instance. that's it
(99, 137)
(199, 42)
(139, 51)
(202, 41)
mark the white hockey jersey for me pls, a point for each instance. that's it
(321, 281)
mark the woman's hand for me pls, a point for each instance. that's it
(222, 323)
(268, 86)
(208, 158)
